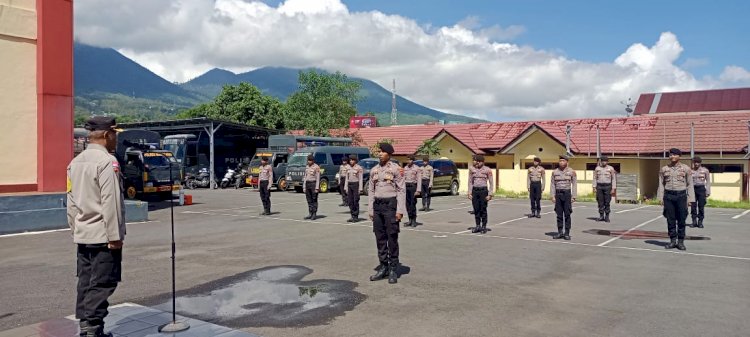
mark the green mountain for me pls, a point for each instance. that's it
(107, 82)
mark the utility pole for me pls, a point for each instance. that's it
(394, 112)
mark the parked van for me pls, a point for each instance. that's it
(329, 159)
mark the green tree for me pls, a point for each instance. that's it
(375, 148)
(322, 102)
(429, 148)
(243, 103)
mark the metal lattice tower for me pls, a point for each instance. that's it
(394, 112)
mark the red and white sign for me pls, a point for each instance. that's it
(357, 122)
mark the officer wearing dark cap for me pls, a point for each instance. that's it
(311, 187)
(413, 181)
(96, 216)
(535, 186)
(386, 207)
(480, 187)
(353, 182)
(702, 185)
(605, 186)
(564, 190)
(675, 192)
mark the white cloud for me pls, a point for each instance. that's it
(464, 68)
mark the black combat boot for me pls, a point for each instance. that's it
(567, 235)
(380, 273)
(700, 223)
(601, 217)
(423, 209)
(533, 214)
(694, 223)
(606, 217)
(681, 244)
(672, 244)
(392, 274)
(476, 229)
(539, 214)
(559, 234)
(414, 223)
(484, 229)
(314, 215)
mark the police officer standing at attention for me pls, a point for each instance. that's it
(676, 192)
(386, 206)
(473, 164)
(96, 216)
(311, 187)
(265, 177)
(702, 185)
(480, 187)
(605, 186)
(428, 173)
(535, 186)
(564, 189)
(342, 177)
(353, 182)
(413, 181)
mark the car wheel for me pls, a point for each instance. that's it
(454, 188)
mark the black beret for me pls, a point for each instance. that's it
(412, 157)
(426, 158)
(536, 159)
(387, 148)
(604, 158)
(353, 157)
(675, 151)
(697, 159)
(100, 123)
(479, 157)
(566, 158)
(310, 157)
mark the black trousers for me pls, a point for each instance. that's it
(603, 197)
(312, 196)
(535, 194)
(563, 209)
(675, 210)
(479, 202)
(98, 269)
(343, 191)
(353, 198)
(411, 200)
(386, 229)
(696, 210)
(265, 195)
(426, 197)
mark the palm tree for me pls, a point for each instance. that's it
(429, 148)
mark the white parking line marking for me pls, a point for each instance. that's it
(628, 231)
(632, 209)
(59, 230)
(741, 214)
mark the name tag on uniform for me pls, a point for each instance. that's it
(388, 176)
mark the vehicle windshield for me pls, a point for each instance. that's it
(298, 159)
(156, 161)
(368, 164)
(177, 149)
(255, 162)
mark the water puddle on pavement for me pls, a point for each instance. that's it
(272, 296)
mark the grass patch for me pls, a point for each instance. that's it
(728, 204)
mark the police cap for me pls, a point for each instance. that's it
(697, 159)
(100, 123)
(310, 157)
(387, 148)
(604, 158)
(564, 157)
(479, 157)
(675, 151)
(536, 159)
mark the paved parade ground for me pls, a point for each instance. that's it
(285, 276)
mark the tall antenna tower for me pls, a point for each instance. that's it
(394, 112)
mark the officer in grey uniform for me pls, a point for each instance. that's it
(676, 192)
(353, 182)
(564, 190)
(535, 186)
(413, 181)
(428, 174)
(96, 216)
(702, 186)
(480, 187)
(342, 178)
(473, 164)
(311, 187)
(386, 206)
(265, 177)
(605, 186)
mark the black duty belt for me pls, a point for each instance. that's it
(476, 188)
(673, 192)
(603, 184)
(385, 200)
(560, 190)
(536, 182)
(408, 184)
(354, 183)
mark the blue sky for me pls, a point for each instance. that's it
(714, 34)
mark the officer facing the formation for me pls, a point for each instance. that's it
(353, 182)
(564, 190)
(480, 185)
(311, 183)
(535, 186)
(413, 181)
(96, 216)
(386, 206)
(676, 192)
(265, 177)
(702, 186)
(428, 173)
(605, 186)
(342, 178)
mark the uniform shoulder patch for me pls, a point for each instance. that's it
(116, 165)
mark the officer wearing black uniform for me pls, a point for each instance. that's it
(676, 192)
(386, 207)
(96, 216)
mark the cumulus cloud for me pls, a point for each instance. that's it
(464, 68)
